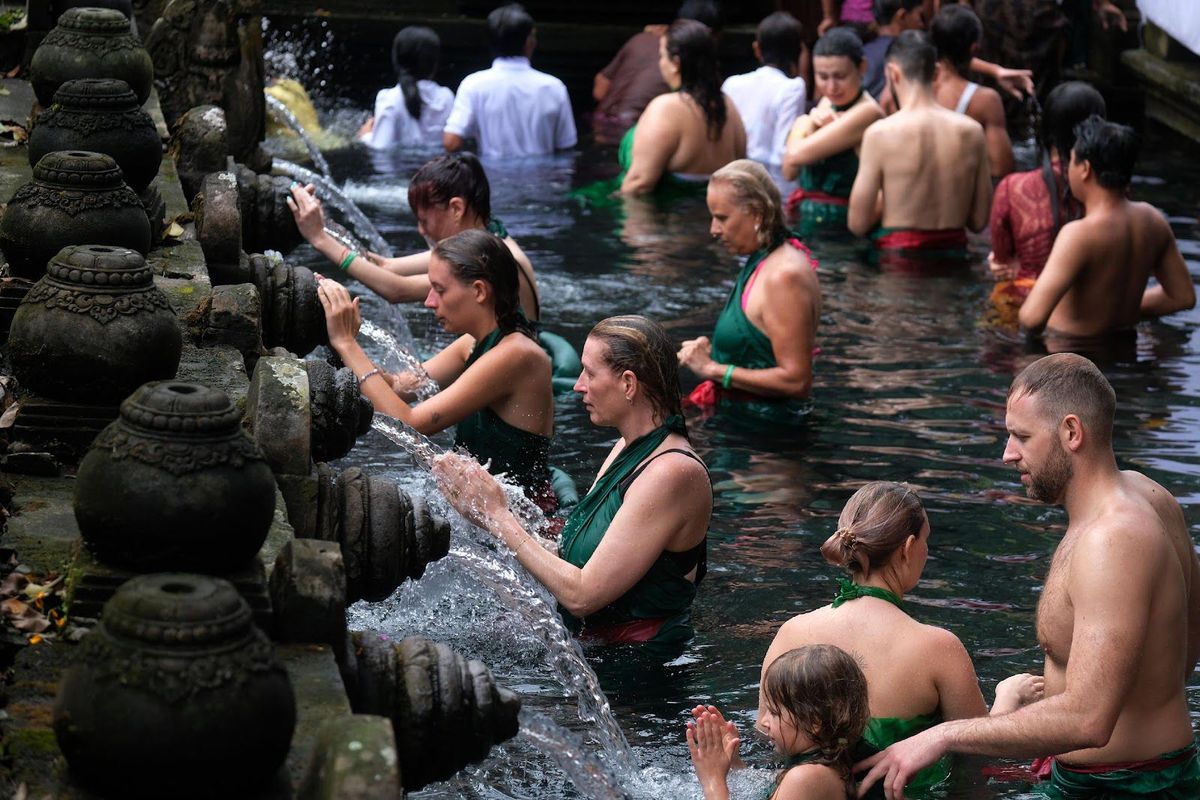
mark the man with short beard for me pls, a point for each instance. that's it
(1118, 619)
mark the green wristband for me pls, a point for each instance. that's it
(348, 260)
(728, 379)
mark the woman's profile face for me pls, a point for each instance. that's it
(438, 221)
(668, 65)
(600, 388)
(736, 228)
(448, 297)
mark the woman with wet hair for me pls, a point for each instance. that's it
(448, 194)
(494, 379)
(690, 132)
(1029, 208)
(413, 112)
(634, 548)
(917, 675)
(762, 345)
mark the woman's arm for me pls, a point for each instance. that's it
(959, 696)
(641, 530)
(654, 142)
(842, 132)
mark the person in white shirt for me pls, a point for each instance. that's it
(511, 109)
(413, 112)
(772, 97)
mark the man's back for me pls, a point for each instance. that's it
(1105, 260)
(768, 102)
(513, 110)
(932, 167)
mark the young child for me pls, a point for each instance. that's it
(815, 712)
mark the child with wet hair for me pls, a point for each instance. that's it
(815, 710)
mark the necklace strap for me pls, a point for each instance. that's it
(857, 97)
(848, 590)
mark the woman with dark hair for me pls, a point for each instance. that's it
(688, 133)
(917, 675)
(494, 379)
(634, 548)
(762, 345)
(1029, 208)
(413, 112)
(823, 144)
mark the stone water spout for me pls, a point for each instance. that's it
(267, 222)
(387, 535)
(175, 484)
(175, 694)
(340, 412)
(446, 711)
(90, 43)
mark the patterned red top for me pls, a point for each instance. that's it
(1022, 220)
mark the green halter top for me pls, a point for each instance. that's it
(735, 340)
(665, 590)
(522, 455)
(882, 732)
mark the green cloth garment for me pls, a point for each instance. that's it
(883, 732)
(848, 590)
(735, 340)
(833, 176)
(519, 454)
(664, 591)
(600, 194)
(496, 228)
(564, 361)
(1171, 776)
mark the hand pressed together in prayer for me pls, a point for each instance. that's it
(713, 743)
(468, 487)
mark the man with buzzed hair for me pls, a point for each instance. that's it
(1118, 618)
(1092, 291)
(929, 164)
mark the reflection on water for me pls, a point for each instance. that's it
(909, 385)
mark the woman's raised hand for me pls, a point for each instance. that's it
(472, 491)
(306, 209)
(342, 315)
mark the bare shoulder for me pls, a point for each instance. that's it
(810, 782)
(988, 104)
(1150, 216)
(934, 640)
(661, 107)
(675, 471)
(522, 351)
(789, 264)
(1163, 502)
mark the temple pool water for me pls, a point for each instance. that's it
(909, 386)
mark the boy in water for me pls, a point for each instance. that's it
(1094, 284)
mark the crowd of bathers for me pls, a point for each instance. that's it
(893, 141)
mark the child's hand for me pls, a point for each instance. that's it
(713, 743)
(1018, 691)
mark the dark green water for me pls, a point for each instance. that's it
(909, 386)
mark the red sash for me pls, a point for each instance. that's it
(635, 631)
(792, 205)
(915, 239)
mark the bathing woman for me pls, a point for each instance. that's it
(917, 675)
(495, 378)
(449, 194)
(762, 345)
(634, 547)
(687, 133)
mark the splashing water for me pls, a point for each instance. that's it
(400, 356)
(590, 775)
(331, 194)
(520, 593)
(284, 116)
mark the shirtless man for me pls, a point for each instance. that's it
(1118, 619)
(1094, 283)
(927, 165)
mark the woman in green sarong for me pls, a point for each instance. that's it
(634, 548)
(917, 675)
(687, 134)
(762, 345)
(495, 378)
(823, 144)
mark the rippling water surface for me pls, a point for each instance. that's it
(909, 386)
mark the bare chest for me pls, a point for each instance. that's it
(1055, 614)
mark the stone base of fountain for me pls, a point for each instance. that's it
(12, 292)
(65, 430)
(156, 211)
(90, 584)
